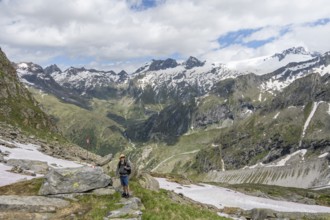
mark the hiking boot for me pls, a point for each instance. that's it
(123, 195)
(127, 195)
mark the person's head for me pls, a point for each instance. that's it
(122, 157)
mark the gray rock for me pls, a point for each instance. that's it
(104, 191)
(34, 165)
(132, 207)
(6, 144)
(25, 215)
(31, 203)
(1, 158)
(148, 182)
(72, 180)
(106, 159)
(262, 214)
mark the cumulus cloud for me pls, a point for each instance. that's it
(115, 31)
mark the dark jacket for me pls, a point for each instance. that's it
(123, 169)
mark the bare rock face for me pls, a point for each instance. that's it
(73, 180)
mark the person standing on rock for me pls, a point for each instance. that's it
(124, 170)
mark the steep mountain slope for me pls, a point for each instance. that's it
(17, 106)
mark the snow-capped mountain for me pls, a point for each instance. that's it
(195, 78)
(161, 80)
(82, 79)
(285, 75)
(268, 64)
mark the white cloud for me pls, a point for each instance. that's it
(111, 31)
(264, 34)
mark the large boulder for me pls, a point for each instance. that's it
(74, 180)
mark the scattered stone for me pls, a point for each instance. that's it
(132, 208)
(6, 153)
(6, 144)
(1, 158)
(34, 165)
(16, 169)
(20, 170)
(71, 180)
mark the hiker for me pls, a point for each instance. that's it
(124, 170)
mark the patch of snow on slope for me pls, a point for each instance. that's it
(9, 177)
(222, 197)
(310, 116)
(29, 152)
(324, 155)
(322, 70)
(265, 64)
(288, 157)
(275, 117)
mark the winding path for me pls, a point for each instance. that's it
(167, 159)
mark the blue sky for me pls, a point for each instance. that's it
(116, 34)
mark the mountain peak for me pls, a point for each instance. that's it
(52, 68)
(193, 62)
(162, 64)
(30, 67)
(292, 50)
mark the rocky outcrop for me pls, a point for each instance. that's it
(211, 116)
(72, 180)
(193, 62)
(162, 64)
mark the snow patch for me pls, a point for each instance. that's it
(324, 155)
(310, 116)
(275, 117)
(288, 157)
(28, 152)
(9, 177)
(281, 162)
(322, 70)
(223, 197)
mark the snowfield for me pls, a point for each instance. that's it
(29, 152)
(222, 197)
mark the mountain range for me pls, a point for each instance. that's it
(256, 111)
